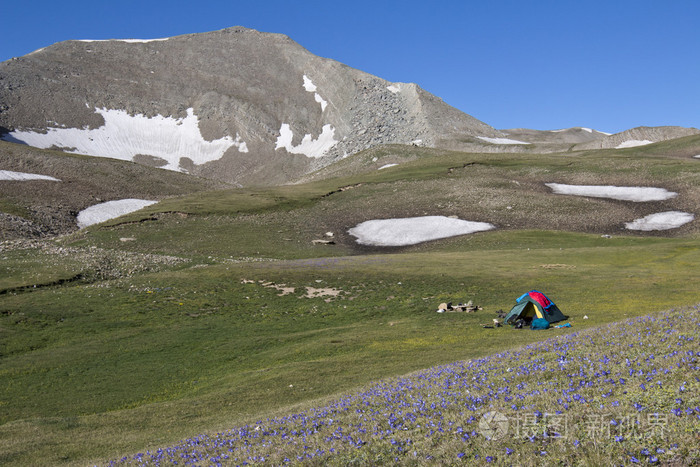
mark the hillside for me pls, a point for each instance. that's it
(236, 105)
(509, 191)
(564, 136)
(639, 136)
(616, 394)
(41, 208)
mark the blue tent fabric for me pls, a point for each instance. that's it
(539, 323)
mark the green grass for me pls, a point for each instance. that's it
(116, 363)
(9, 207)
(198, 349)
(29, 268)
(615, 393)
(507, 190)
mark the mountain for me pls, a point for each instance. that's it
(236, 105)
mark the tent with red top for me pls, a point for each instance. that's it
(532, 306)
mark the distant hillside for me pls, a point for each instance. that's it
(236, 105)
(639, 136)
(566, 136)
(579, 138)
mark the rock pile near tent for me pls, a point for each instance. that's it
(468, 307)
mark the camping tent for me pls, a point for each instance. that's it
(534, 304)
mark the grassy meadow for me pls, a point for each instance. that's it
(213, 310)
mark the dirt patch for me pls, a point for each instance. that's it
(313, 292)
(281, 288)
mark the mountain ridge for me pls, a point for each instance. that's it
(639, 136)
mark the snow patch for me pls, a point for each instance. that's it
(624, 193)
(393, 88)
(124, 136)
(308, 146)
(661, 221)
(697, 157)
(240, 144)
(23, 176)
(501, 140)
(413, 230)
(308, 84)
(631, 143)
(589, 130)
(387, 166)
(110, 210)
(311, 87)
(321, 101)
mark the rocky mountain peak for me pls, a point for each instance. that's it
(236, 104)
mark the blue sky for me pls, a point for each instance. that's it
(609, 65)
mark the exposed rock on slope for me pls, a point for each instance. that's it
(236, 105)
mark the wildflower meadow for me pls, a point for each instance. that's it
(621, 394)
